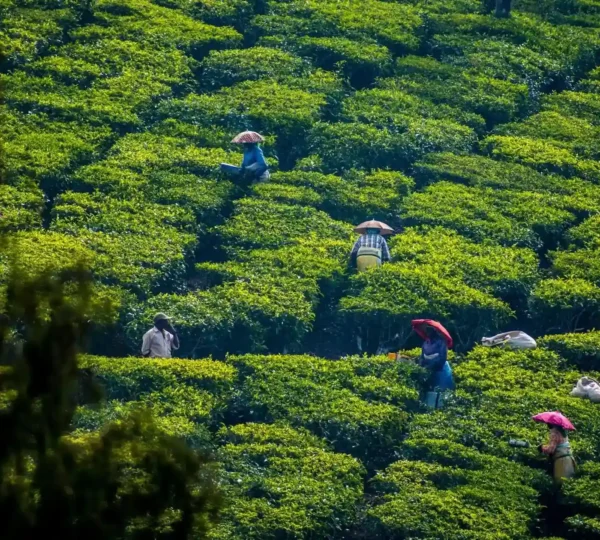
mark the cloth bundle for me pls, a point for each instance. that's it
(587, 387)
(512, 340)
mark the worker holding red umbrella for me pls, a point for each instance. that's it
(434, 356)
(558, 447)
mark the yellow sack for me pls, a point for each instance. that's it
(368, 258)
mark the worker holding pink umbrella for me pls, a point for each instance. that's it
(558, 447)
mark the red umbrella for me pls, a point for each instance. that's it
(554, 418)
(420, 324)
(248, 137)
(374, 224)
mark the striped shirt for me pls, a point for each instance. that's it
(372, 241)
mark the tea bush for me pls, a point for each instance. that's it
(582, 350)
(475, 137)
(353, 197)
(578, 104)
(285, 481)
(496, 100)
(41, 152)
(185, 396)
(226, 68)
(83, 63)
(399, 292)
(351, 145)
(432, 500)
(124, 231)
(28, 31)
(479, 171)
(508, 217)
(271, 107)
(498, 393)
(149, 23)
(262, 224)
(21, 208)
(337, 400)
(508, 272)
(541, 155)
(271, 313)
(562, 304)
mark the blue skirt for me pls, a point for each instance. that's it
(442, 380)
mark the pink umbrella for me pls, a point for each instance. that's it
(420, 324)
(554, 418)
(248, 137)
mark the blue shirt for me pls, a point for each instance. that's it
(441, 377)
(255, 155)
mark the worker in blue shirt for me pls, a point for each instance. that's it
(254, 162)
(434, 356)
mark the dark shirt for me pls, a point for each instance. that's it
(436, 346)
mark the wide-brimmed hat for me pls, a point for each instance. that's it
(374, 224)
(248, 137)
(161, 317)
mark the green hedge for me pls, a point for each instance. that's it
(582, 350)
(508, 272)
(387, 300)
(148, 22)
(263, 224)
(285, 482)
(358, 405)
(225, 68)
(479, 171)
(483, 214)
(565, 304)
(488, 499)
(353, 197)
(344, 146)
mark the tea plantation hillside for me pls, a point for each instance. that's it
(476, 137)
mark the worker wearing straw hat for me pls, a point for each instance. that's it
(371, 249)
(161, 339)
(254, 163)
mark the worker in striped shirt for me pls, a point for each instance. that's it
(370, 250)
